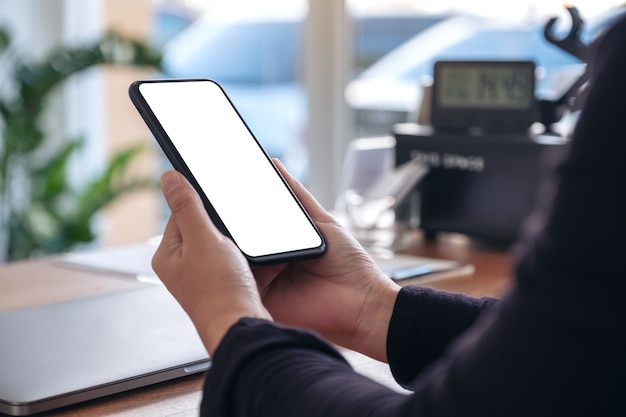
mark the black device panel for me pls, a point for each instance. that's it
(483, 186)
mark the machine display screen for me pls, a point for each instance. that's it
(486, 86)
(498, 95)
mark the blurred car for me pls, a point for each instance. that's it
(259, 64)
(169, 19)
(390, 90)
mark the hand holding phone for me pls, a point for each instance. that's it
(205, 138)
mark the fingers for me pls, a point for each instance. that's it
(187, 209)
(311, 205)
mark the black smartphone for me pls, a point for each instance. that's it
(205, 138)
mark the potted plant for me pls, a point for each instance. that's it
(40, 212)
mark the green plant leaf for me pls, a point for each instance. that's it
(53, 173)
(113, 182)
(55, 217)
(5, 39)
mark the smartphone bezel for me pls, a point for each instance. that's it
(179, 164)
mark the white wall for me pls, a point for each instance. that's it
(84, 93)
(35, 24)
(327, 65)
(38, 26)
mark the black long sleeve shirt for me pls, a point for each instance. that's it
(555, 345)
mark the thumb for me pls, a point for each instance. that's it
(187, 209)
(311, 205)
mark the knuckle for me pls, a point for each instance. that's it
(157, 264)
(182, 202)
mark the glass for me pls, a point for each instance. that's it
(372, 191)
(388, 91)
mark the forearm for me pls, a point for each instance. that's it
(423, 324)
(263, 369)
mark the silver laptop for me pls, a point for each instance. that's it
(65, 353)
(134, 261)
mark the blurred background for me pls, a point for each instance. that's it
(77, 165)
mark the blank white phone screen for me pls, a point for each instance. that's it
(238, 179)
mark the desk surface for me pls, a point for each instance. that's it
(43, 281)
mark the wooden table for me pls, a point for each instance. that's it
(38, 282)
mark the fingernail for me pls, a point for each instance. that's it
(278, 162)
(169, 181)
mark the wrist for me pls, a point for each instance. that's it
(373, 326)
(215, 327)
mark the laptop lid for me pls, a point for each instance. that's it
(61, 354)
